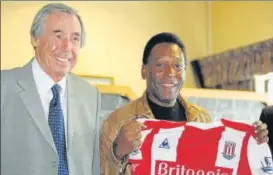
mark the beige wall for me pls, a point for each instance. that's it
(236, 24)
(116, 35)
(118, 31)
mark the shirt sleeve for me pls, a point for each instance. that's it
(259, 158)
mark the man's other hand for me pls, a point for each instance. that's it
(261, 131)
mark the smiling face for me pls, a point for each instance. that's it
(58, 46)
(164, 73)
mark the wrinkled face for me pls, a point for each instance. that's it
(164, 73)
(58, 45)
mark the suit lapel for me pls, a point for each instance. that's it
(30, 97)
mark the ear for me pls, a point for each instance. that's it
(143, 71)
(34, 42)
(184, 75)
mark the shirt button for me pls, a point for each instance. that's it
(54, 164)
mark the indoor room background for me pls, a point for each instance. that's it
(118, 31)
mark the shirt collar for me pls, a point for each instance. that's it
(43, 81)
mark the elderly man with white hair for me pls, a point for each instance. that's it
(49, 116)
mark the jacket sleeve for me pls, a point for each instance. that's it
(263, 116)
(109, 164)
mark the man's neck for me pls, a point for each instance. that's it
(161, 103)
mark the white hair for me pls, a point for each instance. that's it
(38, 21)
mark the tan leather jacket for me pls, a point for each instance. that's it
(111, 126)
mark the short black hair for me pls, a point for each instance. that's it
(164, 37)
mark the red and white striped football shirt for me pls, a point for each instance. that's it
(219, 148)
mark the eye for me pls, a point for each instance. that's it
(159, 65)
(59, 36)
(76, 39)
(178, 66)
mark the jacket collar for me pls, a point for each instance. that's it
(143, 108)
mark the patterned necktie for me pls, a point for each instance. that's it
(56, 124)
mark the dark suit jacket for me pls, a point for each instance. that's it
(267, 117)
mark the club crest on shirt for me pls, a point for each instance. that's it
(267, 165)
(229, 150)
(165, 144)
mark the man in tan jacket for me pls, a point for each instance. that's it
(164, 69)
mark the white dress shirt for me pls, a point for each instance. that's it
(44, 83)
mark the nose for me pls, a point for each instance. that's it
(169, 70)
(66, 44)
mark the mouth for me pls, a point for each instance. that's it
(63, 59)
(168, 85)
